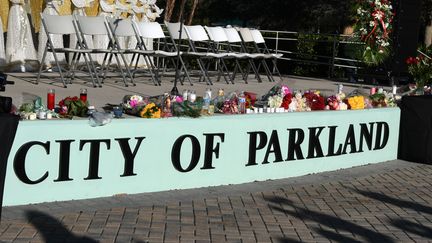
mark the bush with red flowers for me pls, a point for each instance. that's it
(420, 69)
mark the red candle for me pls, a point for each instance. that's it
(83, 95)
(51, 99)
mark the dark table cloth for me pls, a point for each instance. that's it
(8, 127)
(415, 136)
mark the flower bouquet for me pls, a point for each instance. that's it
(144, 107)
(250, 99)
(314, 100)
(73, 106)
(335, 103)
(150, 111)
(187, 108)
(298, 103)
(374, 25)
(420, 69)
(384, 99)
(230, 105)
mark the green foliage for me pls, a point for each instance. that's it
(76, 108)
(325, 16)
(187, 108)
(306, 48)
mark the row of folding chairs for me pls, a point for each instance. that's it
(220, 45)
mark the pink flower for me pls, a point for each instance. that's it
(133, 103)
(285, 90)
(179, 99)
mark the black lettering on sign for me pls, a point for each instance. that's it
(294, 144)
(128, 155)
(254, 147)
(350, 140)
(314, 143)
(64, 160)
(380, 127)
(331, 144)
(210, 149)
(176, 151)
(94, 156)
(273, 147)
(366, 135)
(20, 160)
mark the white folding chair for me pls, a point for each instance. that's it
(174, 32)
(98, 26)
(154, 31)
(250, 45)
(220, 39)
(124, 28)
(198, 35)
(236, 46)
(260, 41)
(61, 25)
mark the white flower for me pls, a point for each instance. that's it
(381, 51)
(359, 11)
(379, 15)
(372, 23)
(275, 101)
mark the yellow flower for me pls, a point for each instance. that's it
(150, 111)
(356, 102)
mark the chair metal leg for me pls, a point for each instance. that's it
(267, 70)
(127, 69)
(59, 69)
(183, 66)
(90, 73)
(121, 70)
(109, 62)
(41, 65)
(224, 66)
(92, 64)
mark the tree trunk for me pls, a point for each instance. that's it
(182, 5)
(192, 13)
(169, 8)
(428, 34)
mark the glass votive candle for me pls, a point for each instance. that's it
(51, 99)
(118, 111)
(83, 95)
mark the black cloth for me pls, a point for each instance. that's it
(8, 128)
(415, 135)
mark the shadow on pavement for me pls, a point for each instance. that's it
(53, 230)
(394, 201)
(286, 240)
(403, 224)
(413, 227)
(282, 204)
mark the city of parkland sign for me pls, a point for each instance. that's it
(69, 160)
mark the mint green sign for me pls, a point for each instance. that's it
(69, 160)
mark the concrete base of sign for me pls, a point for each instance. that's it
(69, 160)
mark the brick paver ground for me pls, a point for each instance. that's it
(387, 202)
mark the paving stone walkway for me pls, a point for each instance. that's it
(386, 202)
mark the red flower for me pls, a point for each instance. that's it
(315, 101)
(412, 60)
(250, 99)
(286, 101)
